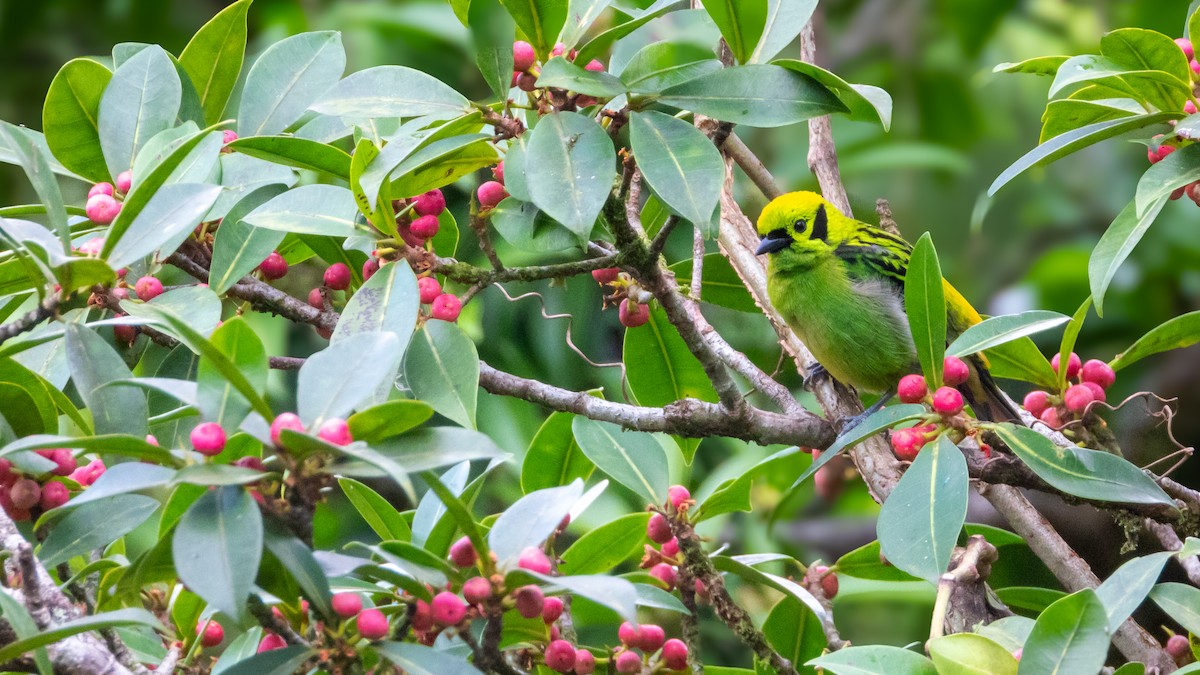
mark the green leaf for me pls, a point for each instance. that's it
(632, 458)
(560, 73)
(388, 419)
(569, 167)
(383, 518)
(757, 95)
(213, 58)
(866, 562)
(36, 164)
(24, 628)
(1066, 114)
(1021, 360)
(300, 563)
(925, 304)
(217, 547)
(600, 44)
(1142, 49)
(297, 152)
(1177, 333)
(492, 36)
(600, 550)
(734, 494)
(884, 419)
(661, 369)
(581, 14)
(416, 659)
(1191, 547)
(70, 118)
(1155, 88)
(920, 522)
(527, 228)
(998, 330)
(430, 448)
(1090, 474)
(968, 653)
(327, 210)
(442, 162)
(553, 457)
(239, 247)
(1176, 170)
(442, 368)
(680, 163)
(324, 392)
(530, 521)
(1038, 65)
(617, 594)
(387, 302)
(94, 364)
(741, 23)
(391, 91)
(785, 19)
(659, 65)
(452, 504)
(1124, 590)
(1070, 334)
(170, 216)
(1070, 636)
(720, 284)
(241, 175)
(287, 78)
(283, 661)
(122, 479)
(874, 660)
(794, 632)
(864, 102)
(1181, 602)
(86, 529)
(1064, 144)
(1009, 632)
(539, 20)
(141, 100)
(120, 617)
(218, 400)
(656, 598)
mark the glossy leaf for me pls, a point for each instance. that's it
(324, 391)
(213, 58)
(874, 660)
(1181, 602)
(560, 73)
(391, 91)
(884, 419)
(734, 494)
(600, 550)
(70, 117)
(530, 521)
(1119, 240)
(94, 364)
(1177, 333)
(492, 36)
(418, 659)
(141, 100)
(553, 457)
(998, 330)
(925, 304)
(36, 163)
(633, 459)
(218, 400)
(756, 95)
(1125, 589)
(784, 21)
(660, 367)
(539, 20)
(794, 631)
(581, 14)
(442, 368)
(442, 162)
(866, 562)
(387, 302)
(99, 621)
(964, 653)
(388, 419)
(600, 44)
(569, 167)
(217, 548)
(1070, 636)
(449, 500)
(659, 65)
(680, 163)
(311, 209)
(86, 529)
(1022, 360)
(1070, 335)
(1140, 48)
(169, 217)
(297, 152)
(615, 593)
(1038, 65)
(1174, 171)
(300, 563)
(741, 23)
(526, 227)
(273, 662)
(238, 246)
(383, 518)
(863, 101)
(287, 78)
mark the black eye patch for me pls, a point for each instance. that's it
(820, 228)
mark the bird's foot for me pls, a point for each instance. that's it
(814, 374)
(845, 424)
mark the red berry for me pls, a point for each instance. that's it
(1195, 66)
(526, 82)
(462, 553)
(148, 288)
(1077, 397)
(498, 172)
(102, 209)
(906, 443)
(372, 624)
(429, 289)
(678, 496)
(100, 189)
(529, 601)
(271, 642)
(491, 193)
(1097, 391)
(1098, 372)
(424, 227)
(1073, 364)
(290, 421)
(954, 371)
(125, 334)
(335, 432)
(445, 307)
(947, 401)
(337, 276)
(912, 389)
(552, 609)
(1178, 646)
(658, 529)
(93, 246)
(315, 299)
(595, 66)
(585, 663)
(534, 560)
(652, 638)
(563, 524)
(671, 548)
(560, 656)
(702, 592)
(674, 654)
(346, 604)
(1051, 418)
(250, 462)
(628, 662)
(86, 475)
(477, 589)
(448, 609)
(63, 458)
(208, 439)
(422, 618)
(369, 268)
(1189, 107)
(431, 203)
(632, 314)
(606, 275)
(1186, 45)
(629, 634)
(666, 574)
(582, 101)
(1037, 401)
(523, 56)
(54, 495)
(1192, 190)
(274, 267)
(212, 634)
(829, 582)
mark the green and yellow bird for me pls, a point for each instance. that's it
(839, 284)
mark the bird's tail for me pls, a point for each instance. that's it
(987, 400)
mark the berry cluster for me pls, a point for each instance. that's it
(1160, 147)
(1086, 384)
(23, 496)
(103, 203)
(526, 71)
(633, 309)
(947, 405)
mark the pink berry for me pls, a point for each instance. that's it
(829, 582)
(912, 389)
(1195, 66)
(529, 601)
(491, 193)
(102, 209)
(271, 642)
(671, 548)
(315, 299)
(666, 574)
(606, 275)
(477, 589)
(552, 609)
(679, 496)
(448, 609)
(954, 371)
(250, 462)
(25, 493)
(208, 439)
(213, 634)
(148, 288)
(947, 401)
(498, 172)
(534, 560)
(337, 276)
(1189, 107)
(674, 654)
(526, 82)
(63, 459)
(1051, 418)
(92, 246)
(632, 314)
(595, 66)
(629, 634)
(335, 432)
(429, 288)
(1186, 45)
(372, 624)
(1097, 392)
(1098, 372)
(560, 656)
(124, 181)
(585, 662)
(325, 333)
(100, 189)
(906, 443)
(346, 604)
(274, 267)
(652, 638)
(228, 136)
(422, 618)
(523, 56)
(287, 420)
(628, 662)
(369, 268)
(462, 553)
(431, 203)
(1178, 646)
(658, 529)
(54, 495)
(1037, 401)
(425, 227)
(445, 307)
(86, 475)
(702, 592)
(1077, 397)
(1073, 364)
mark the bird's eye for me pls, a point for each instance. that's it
(799, 225)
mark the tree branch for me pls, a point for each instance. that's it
(31, 319)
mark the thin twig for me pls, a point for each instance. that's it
(31, 319)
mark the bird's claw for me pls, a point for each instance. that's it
(814, 374)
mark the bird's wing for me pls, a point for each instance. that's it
(874, 253)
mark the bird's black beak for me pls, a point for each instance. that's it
(775, 240)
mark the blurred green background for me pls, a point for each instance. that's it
(956, 125)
